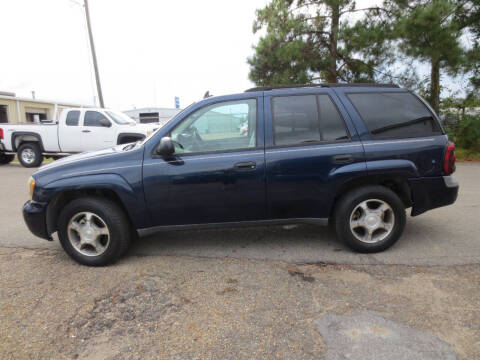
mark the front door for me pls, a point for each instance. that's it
(217, 173)
(312, 150)
(97, 132)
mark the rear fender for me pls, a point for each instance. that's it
(397, 167)
(20, 137)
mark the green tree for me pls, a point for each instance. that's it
(470, 19)
(429, 31)
(309, 40)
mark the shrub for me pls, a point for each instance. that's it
(466, 133)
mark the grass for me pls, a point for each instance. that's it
(45, 160)
(467, 155)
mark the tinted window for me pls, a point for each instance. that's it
(295, 120)
(395, 115)
(332, 125)
(224, 126)
(306, 118)
(72, 118)
(92, 118)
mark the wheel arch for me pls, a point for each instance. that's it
(20, 137)
(397, 183)
(109, 186)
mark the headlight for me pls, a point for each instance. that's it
(31, 186)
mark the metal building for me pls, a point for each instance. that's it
(152, 114)
(15, 109)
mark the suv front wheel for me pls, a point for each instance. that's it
(370, 219)
(93, 231)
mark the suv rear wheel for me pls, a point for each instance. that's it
(94, 231)
(370, 219)
(30, 155)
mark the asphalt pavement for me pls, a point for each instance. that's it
(444, 236)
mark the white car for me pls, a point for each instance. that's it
(78, 130)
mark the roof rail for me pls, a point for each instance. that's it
(328, 85)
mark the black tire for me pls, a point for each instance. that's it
(6, 158)
(33, 149)
(349, 202)
(115, 219)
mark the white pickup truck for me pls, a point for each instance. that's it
(78, 130)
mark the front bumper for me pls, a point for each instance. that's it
(432, 192)
(35, 216)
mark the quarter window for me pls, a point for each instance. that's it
(92, 118)
(304, 119)
(72, 118)
(219, 127)
(395, 115)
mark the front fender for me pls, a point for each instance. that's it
(131, 198)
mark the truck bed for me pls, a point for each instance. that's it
(47, 132)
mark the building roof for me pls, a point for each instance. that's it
(11, 96)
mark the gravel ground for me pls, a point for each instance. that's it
(174, 307)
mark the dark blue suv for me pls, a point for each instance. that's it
(352, 155)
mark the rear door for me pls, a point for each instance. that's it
(312, 148)
(70, 132)
(95, 134)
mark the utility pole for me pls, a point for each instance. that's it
(94, 56)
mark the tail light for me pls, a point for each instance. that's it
(449, 160)
(1, 134)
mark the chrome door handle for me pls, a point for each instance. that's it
(86, 131)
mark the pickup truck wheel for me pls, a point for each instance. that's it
(6, 159)
(370, 219)
(30, 155)
(94, 231)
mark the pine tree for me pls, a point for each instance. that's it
(311, 40)
(429, 31)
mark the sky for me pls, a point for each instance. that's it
(148, 51)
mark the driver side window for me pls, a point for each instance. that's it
(223, 126)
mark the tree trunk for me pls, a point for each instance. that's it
(435, 85)
(332, 69)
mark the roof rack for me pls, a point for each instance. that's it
(327, 85)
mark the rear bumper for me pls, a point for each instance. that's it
(35, 216)
(432, 192)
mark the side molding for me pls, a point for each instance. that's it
(155, 229)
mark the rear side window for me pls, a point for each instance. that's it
(72, 118)
(92, 118)
(395, 115)
(302, 119)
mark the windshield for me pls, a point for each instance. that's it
(120, 118)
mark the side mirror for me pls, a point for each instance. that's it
(165, 147)
(105, 123)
